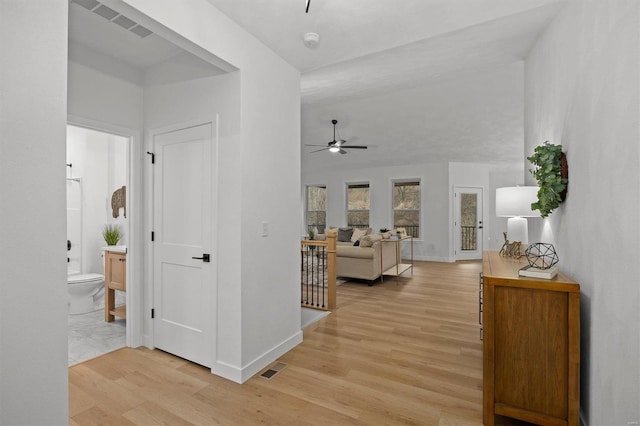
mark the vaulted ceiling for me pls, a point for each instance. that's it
(415, 80)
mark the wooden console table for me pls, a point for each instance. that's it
(531, 344)
(399, 268)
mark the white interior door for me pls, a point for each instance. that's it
(183, 275)
(468, 223)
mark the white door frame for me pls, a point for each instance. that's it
(135, 271)
(458, 255)
(149, 225)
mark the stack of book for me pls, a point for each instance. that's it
(533, 272)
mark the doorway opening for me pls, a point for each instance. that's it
(98, 170)
(468, 223)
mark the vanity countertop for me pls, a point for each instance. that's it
(117, 249)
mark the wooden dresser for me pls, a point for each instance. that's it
(115, 278)
(531, 344)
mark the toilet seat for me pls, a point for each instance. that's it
(84, 278)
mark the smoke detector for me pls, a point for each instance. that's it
(311, 40)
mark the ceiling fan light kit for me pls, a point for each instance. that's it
(337, 145)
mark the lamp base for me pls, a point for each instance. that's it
(517, 230)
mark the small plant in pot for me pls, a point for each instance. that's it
(111, 234)
(550, 171)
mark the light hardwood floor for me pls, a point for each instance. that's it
(405, 353)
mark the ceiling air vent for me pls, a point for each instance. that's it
(106, 12)
(87, 4)
(114, 17)
(124, 22)
(141, 31)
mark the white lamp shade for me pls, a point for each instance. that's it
(515, 201)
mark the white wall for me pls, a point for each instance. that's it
(103, 98)
(582, 91)
(258, 301)
(33, 290)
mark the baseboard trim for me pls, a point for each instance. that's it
(433, 259)
(583, 422)
(147, 341)
(242, 374)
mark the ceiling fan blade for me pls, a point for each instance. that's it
(342, 151)
(355, 147)
(308, 144)
(318, 150)
(350, 140)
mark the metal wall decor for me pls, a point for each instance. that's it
(119, 199)
(541, 255)
(510, 249)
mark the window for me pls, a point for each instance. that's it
(406, 206)
(358, 205)
(316, 208)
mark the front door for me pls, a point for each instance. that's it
(182, 258)
(468, 223)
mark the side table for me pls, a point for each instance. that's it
(399, 268)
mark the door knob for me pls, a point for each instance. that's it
(204, 258)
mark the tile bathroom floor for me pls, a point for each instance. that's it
(90, 336)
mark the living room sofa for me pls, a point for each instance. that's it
(362, 261)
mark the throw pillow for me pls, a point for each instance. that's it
(344, 234)
(357, 234)
(368, 240)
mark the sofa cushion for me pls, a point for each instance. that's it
(355, 252)
(368, 240)
(344, 234)
(343, 243)
(357, 234)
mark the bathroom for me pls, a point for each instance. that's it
(97, 166)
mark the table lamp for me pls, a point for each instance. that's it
(514, 202)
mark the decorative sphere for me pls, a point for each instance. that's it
(541, 255)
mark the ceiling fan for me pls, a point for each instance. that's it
(337, 145)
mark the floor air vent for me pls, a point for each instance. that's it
(273, 370)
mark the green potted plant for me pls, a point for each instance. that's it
(550, 171)
(111, 234)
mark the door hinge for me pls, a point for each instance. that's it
(153, 157)
(153, 236)
(153, 313)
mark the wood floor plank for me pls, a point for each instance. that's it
(391, 353)
(152, 414)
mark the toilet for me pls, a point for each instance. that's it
(82, 288)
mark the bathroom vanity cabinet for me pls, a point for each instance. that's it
(115, 278)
